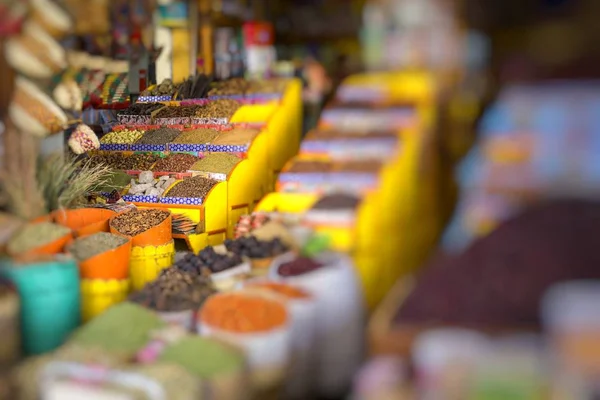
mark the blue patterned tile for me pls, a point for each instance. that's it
(140, 198)
(153, 99)
(186, 147)
(148, 147)
(188, 201)
(114, 146)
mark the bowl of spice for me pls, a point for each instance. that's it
(41, 238)
(176, 295)
(256, 322)
(102, 256)
(148, 227)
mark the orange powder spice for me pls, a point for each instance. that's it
(286, 290)
(243, 313)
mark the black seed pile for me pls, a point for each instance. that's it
(159, 136)
(250, 246)
(500, 279)
(178, 111)
(208, 258)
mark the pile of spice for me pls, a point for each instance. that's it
(178, 162)
(137, 221)
(124, 329)
(299, 266)
(250, 246)
(148, 186)
(236, 137)
(165, 88)
(219, 109)
(117, 161)
(110, 160)
(32, 236)
(175, 290)
(159, 136)
(210, 259)
(125, 136)
(500, 279)
(140, 109)
(310, 166)
(178, 111)
(337, 201)
(243, 313)
(197, 136)
(117, 180)
(219, 163)
(196, 186)
(202, 357)
(235, 86)
(89, 246)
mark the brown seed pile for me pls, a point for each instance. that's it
(111, 160)
(235, 86)
(197, 136)
(159, 136)
(236, 137)
(178, 111)
(219, 109)
(141, 109)
(135, 222)
(196, 186)
(175, 290)
(178, 162)
(117, 161)
(218, 163)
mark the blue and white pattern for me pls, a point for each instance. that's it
(172, 121)
(188, 201)
(186, 148)
(227, 148)
(140, 198)
(153, 99)
(114, 146)
(149, 147)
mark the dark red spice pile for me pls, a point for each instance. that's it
(500, 280)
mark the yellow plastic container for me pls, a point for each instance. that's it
(255, 113)
(97, 295)
(148, 261)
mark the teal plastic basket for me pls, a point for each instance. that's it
(50, 302)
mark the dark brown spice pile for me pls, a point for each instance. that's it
(178, 162)
(336, 201)
(219, 109)
(175, 290)
(159, 136)
(138, 162)
(135, 222)
(111, 160)
(310, 166)
(178, 111)
(141, 109)
(196, 186)
(500, 279)
(197, 136)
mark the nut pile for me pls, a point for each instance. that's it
(219, 163)
(159, 136)
(178, 162)
(250, 246)
(175, 290)
(89, 246)
(125, 136)
(219, 109)
(299, 266)
(197, 136)
(149, 186)
(141, 109)
(208, 258)
(136, 221)
(196, 186)
(178, 111)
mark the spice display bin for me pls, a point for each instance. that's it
(50, 301)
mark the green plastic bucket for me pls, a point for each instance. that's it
(50, 302)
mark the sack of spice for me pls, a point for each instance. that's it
(257, 323)
(33, 111)
(340, 321)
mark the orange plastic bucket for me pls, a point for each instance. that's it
(85, 221)
(156, 236)
(112, 264)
